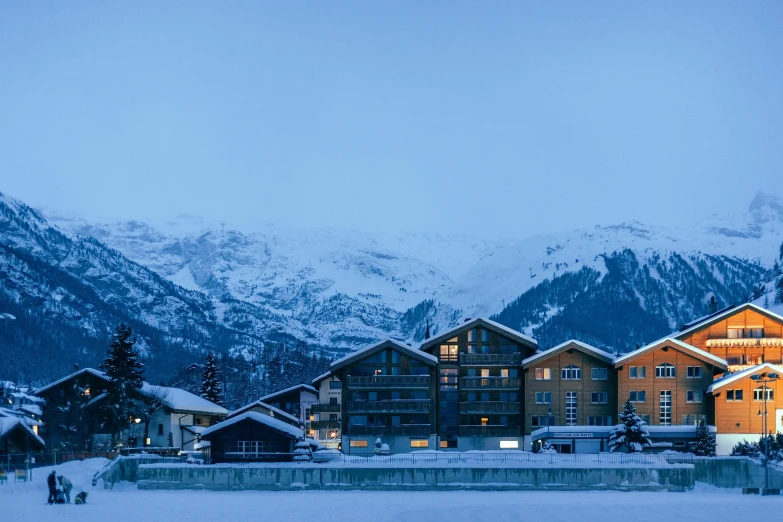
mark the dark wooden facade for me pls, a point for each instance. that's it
(249, 441)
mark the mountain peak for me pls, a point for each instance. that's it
(767, 204)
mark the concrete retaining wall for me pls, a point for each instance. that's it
(672, 478)
(735, 472)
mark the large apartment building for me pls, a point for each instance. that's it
(481, 385)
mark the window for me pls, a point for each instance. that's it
(472, 396)
(485, 336)
(87, 391)
(543, 397)
(755, 333)
(396, 420)
(332, 401)
(509, 444)
(448, 378)
(693, 396)
(537, 421)
(420, 443)
(472, 335)
(666, 407)
(484, 396)
(335, 385)
(395, 357)
(359, 444)
(449, 352)
(693, 372)
(250, 448)
(693, 419)
(571, 373)
(599, 374)
(734, 395)
(333, 417)
(637, 372)
(543, 374)
(665, 371)
(599, 398)
(736, 333)
(758, 394)
(637, 396)
(160, 430)
(599, 420)
(484, 421)
(570, 408)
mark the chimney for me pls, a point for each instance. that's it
(713, 305)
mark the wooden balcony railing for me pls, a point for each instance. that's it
(490, 359)
(489, 407)
(745, 343)
(404, 430)
(325, 425)
(401, 406)
(390, 381)
(488, 431)
(325, 408)
(489, 383)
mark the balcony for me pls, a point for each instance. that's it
(324, 425)
(417, 430)
(762, 342)
(488, 431)
(325, 408)
(489, 407)
(400, 406)
(490, 359)
(390, 381)
(489, 383)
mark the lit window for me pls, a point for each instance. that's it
(87, 391)
(358, 443)
(543, 374)
(420, 443)
(509, 444)
(484, 421)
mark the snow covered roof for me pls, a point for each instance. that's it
(388, 343)
(93, 371)
(736, 376)
(260, 418)
(33, 409)
(322, 377)
(183, 401)
(717, 317)
(603, 431)
(481, 321)
(677, 344)
(306, 387)
(9, 423)
(579, 345)
(260, 403)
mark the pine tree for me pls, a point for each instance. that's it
(704, 446)
(126, 372)
(631, 433)
(779, 291)
(211, 386)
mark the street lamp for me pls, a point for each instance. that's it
(548, 423)
(764, 378)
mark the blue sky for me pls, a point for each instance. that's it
(506, 118)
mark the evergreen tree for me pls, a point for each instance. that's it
(211, 385)
(779, 291)
(631, 433)
(704, 446)
(126, 372)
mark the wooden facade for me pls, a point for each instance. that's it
(674, 380)
(249, 441)
(739, 404)
(589, 400)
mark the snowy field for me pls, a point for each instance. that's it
(125, 503)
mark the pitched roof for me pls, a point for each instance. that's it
(736, 376)
(481, 321)
(277, 411)
(720, 316)
(271, 422)
(93, 371)
(183, 401)
(579, 345)
(388, 343)
(306, 387)
(322, 377)
(9, 423)
(677, 344)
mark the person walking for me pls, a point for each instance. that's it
(51, 481)
(67, 487)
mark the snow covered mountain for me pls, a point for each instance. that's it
(340, 288)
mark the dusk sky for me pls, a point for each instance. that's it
(503, 117)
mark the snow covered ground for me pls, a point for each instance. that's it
(125, 503)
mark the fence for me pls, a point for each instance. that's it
(40, 459)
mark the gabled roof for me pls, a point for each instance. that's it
(481, 321)
(578, 345)
(306, 387)
(322, 377)
(271, 422)
(736, 376)
(676, 344)
(10, 423)
(96, 373)
(278, 412)
(183, 401)
(720, 316)
(388, 343)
